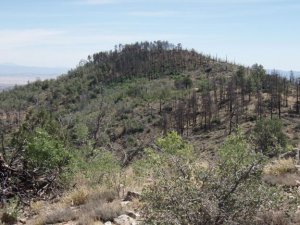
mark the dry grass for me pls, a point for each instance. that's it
(281, 172)
(272, 218)
(61, 215)
(85, 220)
(37, 207)
(92, 205)
(102, 211)
(41, 220)
(100, 194)
(280, 167)
(296, 218)
(289, 180)
(76, 197)
(87, 214)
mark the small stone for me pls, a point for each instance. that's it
(291, 197)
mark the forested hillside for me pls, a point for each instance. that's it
(117, 111)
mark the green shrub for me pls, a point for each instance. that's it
(99, 167)
(44, 152)
(170, 145)
(184, 82)
(81, 132)
(185, 193)
(133, 126)
(269, 137)
(173, 144)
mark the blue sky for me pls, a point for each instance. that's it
(62, 32)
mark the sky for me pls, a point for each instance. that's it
(59, 33)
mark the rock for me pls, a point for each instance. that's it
(125, 220)
(108, 223)
(131, 195)
(132, 214)
(22, 220)
(125, 203)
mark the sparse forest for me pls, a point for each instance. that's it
(202, 140)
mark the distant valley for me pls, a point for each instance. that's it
(11, 74)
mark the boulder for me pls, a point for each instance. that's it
(125, 220)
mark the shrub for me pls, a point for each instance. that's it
(81, 132)
(185, 193)
(101, 168)
(170, 145)
(134, 91)
(269, 136)
(184, 82)
(44, 152)
(133, 126)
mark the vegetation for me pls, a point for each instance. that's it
(198, 130)
(269, 136)
(186, 193)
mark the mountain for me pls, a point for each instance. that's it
(94, 126)
(11, 74)
(13, 69)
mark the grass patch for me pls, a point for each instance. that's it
(77, 197)
(280, 167)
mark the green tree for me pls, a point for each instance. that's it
(258, 75)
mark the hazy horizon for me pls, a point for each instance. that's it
(12, 74)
